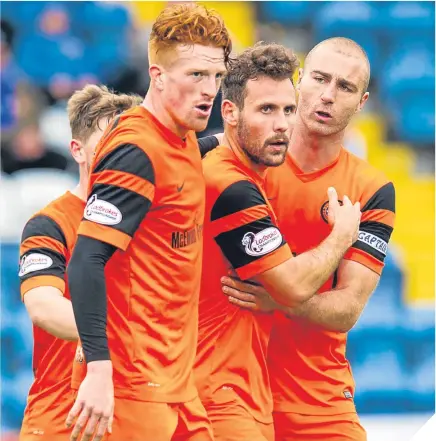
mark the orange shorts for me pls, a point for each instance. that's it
(46, 422)
(297, 427)
(146, 421)
(231, 421)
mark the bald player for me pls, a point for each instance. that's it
(311, 378)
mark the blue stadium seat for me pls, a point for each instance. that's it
(379, 373)
(385, 308)
(421, 385)
(295, 13)
(10, 283)
(408, 18)
(355, 20)
(414, 117)
(92, 16)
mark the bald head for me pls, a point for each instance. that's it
(343, 46)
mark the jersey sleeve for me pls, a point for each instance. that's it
(43, 252)
(207, 144)
(121, 192)
(243, 227)
(376, 226)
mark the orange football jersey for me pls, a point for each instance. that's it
(146, 197)
(46, 246)
(241, 233)
(308, 368)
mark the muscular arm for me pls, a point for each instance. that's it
(340, 308)
(50, 310)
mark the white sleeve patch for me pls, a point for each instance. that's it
(34, 262)
(373, 241)
(263, 242)
(102, 212)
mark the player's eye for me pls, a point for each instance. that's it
(346, 88)
(197, 74)
(266, 109)
(319, 79)
(290, 110)
(219, 76)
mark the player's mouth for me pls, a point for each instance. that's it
(323, 116)
(278, 144)
(204, 109)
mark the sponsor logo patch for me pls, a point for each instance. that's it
(263, 242)
(102, 212)
(373, 241)
(34, 262)
(348, 394)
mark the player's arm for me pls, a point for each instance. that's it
(294, 280)
(359, 272)
(122, 191)
(42, 277)
(357, 276)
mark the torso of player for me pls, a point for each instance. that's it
(52, 357)
(153, 286)
(308, 368)
(231, 352)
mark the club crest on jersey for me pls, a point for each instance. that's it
(325, 211)
(34, 262)
(263, 242)
(102, 212)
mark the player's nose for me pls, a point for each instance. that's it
(210, 87)
(328, 94)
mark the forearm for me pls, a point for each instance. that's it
(312, 269)
(52, 312)
(335, 310)
(87, 285)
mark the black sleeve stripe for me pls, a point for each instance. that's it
(132, 206)
(128, 158)
(379, 229)
(57, 268)
(42, 225)
(383, 199)
(373, 239)
(234, 247)
(237, 197)
(207, 144)
(369, 250)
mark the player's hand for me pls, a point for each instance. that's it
(94, 403)
(344, 218)
(247, 295)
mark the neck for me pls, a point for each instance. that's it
(312, 152)
(231, 140)
(81, 191)
(155, 106)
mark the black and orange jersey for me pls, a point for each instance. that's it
(308, 368)
(146, 197)
(46, 246)
(240, 233)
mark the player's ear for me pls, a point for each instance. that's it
(156, 75)
(362, 102)
(229, 112)
(300, 76)
(77, 151)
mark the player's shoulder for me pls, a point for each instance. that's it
(369, 179)
(221, 169)
(58, 219)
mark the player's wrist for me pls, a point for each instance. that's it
(342, 238)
